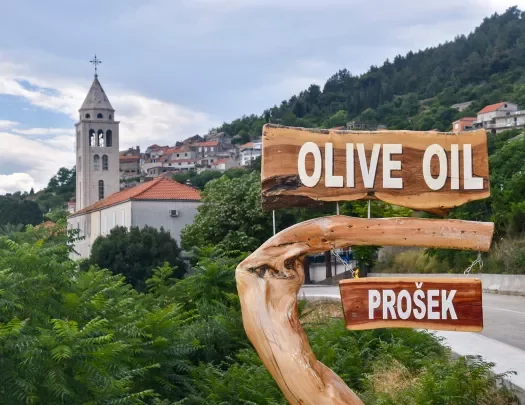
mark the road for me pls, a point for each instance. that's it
(502, 340)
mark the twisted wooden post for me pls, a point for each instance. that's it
(270, 278)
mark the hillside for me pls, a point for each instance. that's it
(414, 91)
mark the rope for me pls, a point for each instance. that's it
(347, 267)
(479, 261)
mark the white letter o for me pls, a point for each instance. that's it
(439, 182)
(310, 181)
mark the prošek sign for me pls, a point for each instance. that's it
(409, 302)
(420, 170)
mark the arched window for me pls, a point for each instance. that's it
(109, 138)
(100, 137)
(79, 165)
(105, 162)
(92, 138)
(99, 115)
(110, 116)
(101, 189)
(88, 116)
(96, 162)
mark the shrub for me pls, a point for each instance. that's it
(507, 256)
(408, 261)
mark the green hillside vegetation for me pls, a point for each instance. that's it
(415, 91)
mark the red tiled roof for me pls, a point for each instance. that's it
(247, 145)
(159, 189)
(470, 119)
(171, 151)
(208, 143)
(129, 158)
(219, 162)
(47, 225)
(491, 108)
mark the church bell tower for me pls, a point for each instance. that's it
(97, 147)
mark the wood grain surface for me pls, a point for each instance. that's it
(281, 185)
(269, 279)
(466, 303)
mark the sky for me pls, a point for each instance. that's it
(175, 68)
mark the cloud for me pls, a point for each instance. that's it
(11, 183)
(6, 124)
(44, 131)
(143, 119)
(40, 159)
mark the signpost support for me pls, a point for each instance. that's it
(419, 170)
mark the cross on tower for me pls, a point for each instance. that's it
(95, 61)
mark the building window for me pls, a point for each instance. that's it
(92, 140)
(100, 138)
(100, 116)
(211, 149)
(186, 155)
(200, 149)
(180, 163)
(109, 138)
(88, 116)
(177, 155)
(110, 116)
(101, 189)
(96, 162)
(79, 168)
(105, 162)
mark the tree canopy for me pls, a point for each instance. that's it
(134, 253)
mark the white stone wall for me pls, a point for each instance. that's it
(157, 214)
(94, 224)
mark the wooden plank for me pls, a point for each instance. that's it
(283, 186)
(340, 231)
(453, 304)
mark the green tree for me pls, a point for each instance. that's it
(14, 211)
(134, 253)
(231, 210)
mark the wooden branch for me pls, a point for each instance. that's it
(282, 186)
(270, 278)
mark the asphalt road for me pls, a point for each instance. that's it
(503, 315)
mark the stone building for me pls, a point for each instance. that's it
(161, 202)
(97, 148)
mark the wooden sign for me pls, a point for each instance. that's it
(453, 304)
(420, 170)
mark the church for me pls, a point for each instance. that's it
(100, 205)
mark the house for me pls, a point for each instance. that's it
(249, 152)
(463, 124)
(500, 117)
(129, 165)
(360, 126)
(161, 202)
(222, 165)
